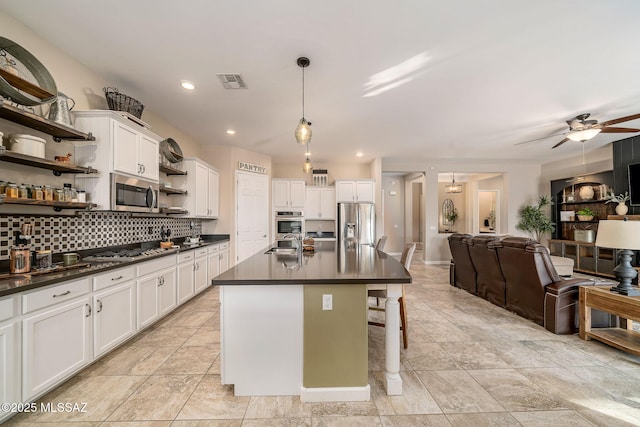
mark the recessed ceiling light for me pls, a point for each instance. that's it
(187, 85)
(359, 154)
(231, 132)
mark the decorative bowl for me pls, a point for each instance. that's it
(585, 217)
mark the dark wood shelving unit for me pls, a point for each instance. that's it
(58, 131)
(55, 205)
(171, 171)
(58, 168)
(170, 211)
(171, 191)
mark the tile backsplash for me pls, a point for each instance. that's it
(90, 230)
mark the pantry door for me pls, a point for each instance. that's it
(252, 214)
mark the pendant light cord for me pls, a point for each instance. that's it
(303, 93)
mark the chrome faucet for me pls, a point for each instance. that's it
(297, 237)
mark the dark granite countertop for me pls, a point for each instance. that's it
(24, 282)
(330, 263)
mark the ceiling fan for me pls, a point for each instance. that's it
(581, 129)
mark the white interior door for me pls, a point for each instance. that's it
(252, 214)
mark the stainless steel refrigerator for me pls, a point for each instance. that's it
(356, 224)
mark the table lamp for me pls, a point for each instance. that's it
(623, 235)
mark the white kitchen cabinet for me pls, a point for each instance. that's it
(202, 186)
(288, 194)
(201, 276)
(57, 342)
(186, 276)
(156, 290)
(120, 146)
(320, 203)
(9, 353)
(359, 190)
(114, 318)
(217, 259)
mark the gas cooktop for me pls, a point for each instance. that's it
(126, 254)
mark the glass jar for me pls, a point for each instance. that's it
(82, 196)
(3, 185)
(37, 193)
(23, 193)
(74, 195)
(67, 192)
(42, 260)
(58, 195)
(48, 193)
(11, 190)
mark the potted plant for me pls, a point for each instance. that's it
(620, 199)
(452, 217)
(534, 220)
(585, 214)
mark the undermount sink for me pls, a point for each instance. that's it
(282, 251)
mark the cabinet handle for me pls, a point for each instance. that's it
(143, 168)
(138, 167)
(99, 307)
(88, 311)
(62, 294)
(161, 281)
(117, 278)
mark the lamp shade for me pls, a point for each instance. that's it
(303, 132)
(583, 135)
(619, 234)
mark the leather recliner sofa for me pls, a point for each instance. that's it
(516, 273)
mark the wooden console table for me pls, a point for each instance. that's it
(625, 307)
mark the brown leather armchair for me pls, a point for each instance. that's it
(533, 288)
(464, 273)
(490, 280)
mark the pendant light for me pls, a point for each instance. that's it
(307, 167)
(303, 131)
(453, 187)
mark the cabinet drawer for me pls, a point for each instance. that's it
(7, 308)
(224, 246)
(201, 252)
(213, 249)
(54, 294)
(186, 256)
(114, 277)
(156, 265)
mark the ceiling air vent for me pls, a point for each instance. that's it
(232, 81)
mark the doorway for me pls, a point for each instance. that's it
(487, 218)
(403, 211)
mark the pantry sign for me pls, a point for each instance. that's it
(249, 167)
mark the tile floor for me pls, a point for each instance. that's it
(469, 363)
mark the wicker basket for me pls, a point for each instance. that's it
(120, 102)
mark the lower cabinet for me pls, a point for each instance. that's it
(217, 260)
(9, 360)
(157, 289)
(57, 342)
(114, 318)
(192, 273)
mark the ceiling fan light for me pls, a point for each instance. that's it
(303, 132)
(584, 135)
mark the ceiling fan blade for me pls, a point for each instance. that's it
(620, 120)
(618, 130)
(538, 139)
(560, 143)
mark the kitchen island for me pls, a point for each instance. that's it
(297, 324)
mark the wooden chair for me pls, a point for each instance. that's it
(405, 259)
(381, 242)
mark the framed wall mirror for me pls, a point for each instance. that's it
(447, 209)
(488, 211)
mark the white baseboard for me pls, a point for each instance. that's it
(335, 394)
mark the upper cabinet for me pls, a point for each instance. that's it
(121, 145)
(360, 190)
(288, 194)
(320, 203)
(201, 184)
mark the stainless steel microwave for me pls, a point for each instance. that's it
(133, 194)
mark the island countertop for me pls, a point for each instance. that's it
(329, 263)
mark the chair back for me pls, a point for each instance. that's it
(407, 255)
(381, 242)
